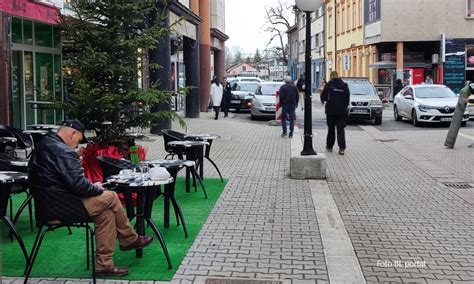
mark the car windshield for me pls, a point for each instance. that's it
(269, 89)
(433, 92)
(246, 86)
(361, 88)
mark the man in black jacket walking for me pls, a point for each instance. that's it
(336, 95)
(55, 176)
(288, 102)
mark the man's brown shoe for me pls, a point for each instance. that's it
(141, 242)
(113, 271)
(341, 151)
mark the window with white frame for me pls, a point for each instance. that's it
(470, 8)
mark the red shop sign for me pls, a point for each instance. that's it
(27, 9)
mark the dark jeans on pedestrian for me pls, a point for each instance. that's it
(285, 111)
(225, 105)
(216, 110)
(336, 122)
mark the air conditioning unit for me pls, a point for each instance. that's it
(435, 58)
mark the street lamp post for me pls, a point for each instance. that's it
(308, 6)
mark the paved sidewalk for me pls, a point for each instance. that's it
(405, 225)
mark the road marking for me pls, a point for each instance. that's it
(341, 260)
(470, 137)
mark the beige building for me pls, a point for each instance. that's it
(346, 52)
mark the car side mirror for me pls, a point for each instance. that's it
(409, 97)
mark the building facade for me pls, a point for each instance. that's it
(30, 63)
(412, 45)
(346, 51)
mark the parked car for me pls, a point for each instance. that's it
(364, 101)
(242, 93)
(264, 100)
(234, 80)
(470, 107)
(426, 103)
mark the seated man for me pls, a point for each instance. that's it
(54, 170)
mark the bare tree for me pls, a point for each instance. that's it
(277, 23)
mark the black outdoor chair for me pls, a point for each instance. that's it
(171, 135)
(7, 154)
(79, 218)
(112, 166)
(24, 141)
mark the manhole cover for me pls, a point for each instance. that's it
(240, 281)
(458, 185)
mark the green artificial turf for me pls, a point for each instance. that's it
(63, 255)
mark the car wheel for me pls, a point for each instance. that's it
(463, 123)
(414, 119)
(395, 114)
(252, 117)
(378, 120)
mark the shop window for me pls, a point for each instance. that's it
(27, 32)
(470, 8)
(17, 33)
(43, 35)
(56, 37)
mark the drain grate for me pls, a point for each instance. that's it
(458, 185)
(240, 281)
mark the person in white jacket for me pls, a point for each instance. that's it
(216, 95)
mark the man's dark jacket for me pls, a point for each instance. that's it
(57, 181)
(288, 94)
(336, 95)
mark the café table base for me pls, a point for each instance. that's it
(15, 233)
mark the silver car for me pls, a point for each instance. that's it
(264, 100)
(426, 103)
(364, 101)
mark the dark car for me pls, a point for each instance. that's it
(242, 94)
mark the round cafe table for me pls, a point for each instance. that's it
(206, 137)
(7, 179)
(146, 190)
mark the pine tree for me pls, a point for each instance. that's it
(108, 39)
(257, 59)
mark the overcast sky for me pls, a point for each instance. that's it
(244, 24)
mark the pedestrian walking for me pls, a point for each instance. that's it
(300, 86)
(227, 94)
(429, 79)
(397, 87)
(321, 86)
(336, 95)
(216, 96)
(288, 102)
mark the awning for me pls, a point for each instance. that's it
(393, 64)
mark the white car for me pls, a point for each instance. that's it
(426, 103)
(264, 100)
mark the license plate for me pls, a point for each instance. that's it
(270, 109)
(445, 119)
(360, 111)
(234, 101)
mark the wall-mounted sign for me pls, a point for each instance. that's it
(454, 72)
(470, 57)
(371, 11)
(30, 10)
(347, 62)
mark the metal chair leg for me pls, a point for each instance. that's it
(180, 214)
(34, 252)
(215, 166)
(161, 240)
(15, 233)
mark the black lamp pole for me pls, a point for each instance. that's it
(308, 123)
